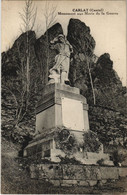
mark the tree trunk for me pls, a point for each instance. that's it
(91, 81)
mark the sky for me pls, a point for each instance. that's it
(108, 27)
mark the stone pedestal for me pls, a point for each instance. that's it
(61, 105)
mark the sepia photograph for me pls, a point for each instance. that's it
(63, 97)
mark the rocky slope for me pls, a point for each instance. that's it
(107, 85)
(83, 45)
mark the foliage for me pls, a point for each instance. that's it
(29, 161)
(100, 162)
(66, 142)
(110, 125)
(117, 157)
(91, 142)
(67, 160)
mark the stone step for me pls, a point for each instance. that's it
(97, 156)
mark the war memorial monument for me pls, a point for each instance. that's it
(62, 126)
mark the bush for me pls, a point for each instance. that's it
(100, 162)
(66, 160)
(66, 142)
(91, 142)
(117, 157)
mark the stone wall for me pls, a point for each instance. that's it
(82, 175)
(110, 125)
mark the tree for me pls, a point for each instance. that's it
(28, 18)
(50, 19)
(20, 85)
(88, 62)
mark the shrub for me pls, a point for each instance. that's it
(66, 141)
(91, 142)
(100, 162)
(117, 157)
(67, 160)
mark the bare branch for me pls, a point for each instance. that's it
(34, 18)
(50, 18)
(50, 15)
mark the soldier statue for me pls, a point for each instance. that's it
(59, 72)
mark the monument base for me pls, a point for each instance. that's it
(54, 148)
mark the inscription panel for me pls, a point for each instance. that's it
(72, 114)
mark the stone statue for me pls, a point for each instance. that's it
(59, 72)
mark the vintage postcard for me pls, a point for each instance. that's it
(63, 97)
